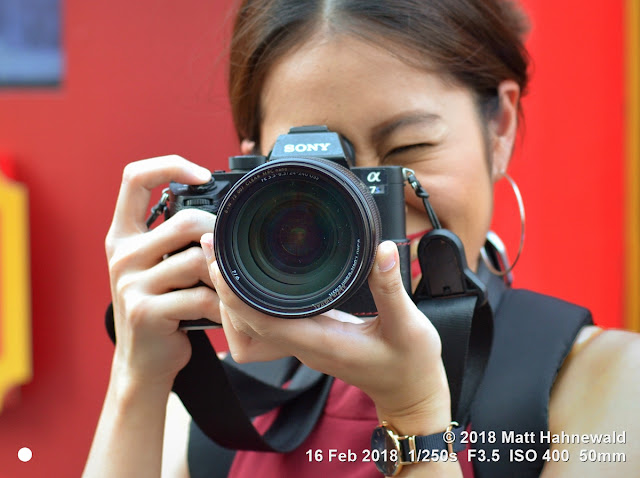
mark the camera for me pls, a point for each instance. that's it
(297, 231)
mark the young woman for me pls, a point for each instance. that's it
(432, 86)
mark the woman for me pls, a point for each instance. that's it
(431, 86)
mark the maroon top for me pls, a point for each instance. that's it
(338, 446)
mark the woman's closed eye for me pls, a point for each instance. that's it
(409, 148)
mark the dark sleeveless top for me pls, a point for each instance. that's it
(533, 334)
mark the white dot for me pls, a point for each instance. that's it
(25, 454)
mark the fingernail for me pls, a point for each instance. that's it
(206, 241)
(247, 146)
(386, 256)
(202, 174)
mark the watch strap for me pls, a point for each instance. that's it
(448, 440)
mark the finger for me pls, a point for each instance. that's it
(145, 251)
(187, 304)
(140, 178)
(248, 147)
(253, 336)
(179, 271)
(387, 288)
(183, 229)
(244, 348)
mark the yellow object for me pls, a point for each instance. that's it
(15, 296)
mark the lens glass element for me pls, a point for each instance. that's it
(296, 240)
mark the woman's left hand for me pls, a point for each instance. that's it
(394, 358)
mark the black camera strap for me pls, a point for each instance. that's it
(455, 300)
(227, 396)
(452, 297)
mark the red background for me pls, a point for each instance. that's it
(146, 78)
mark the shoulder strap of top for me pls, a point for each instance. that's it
(533, 334)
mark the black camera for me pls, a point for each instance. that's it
(296, 232)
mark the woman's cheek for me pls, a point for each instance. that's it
(467, 214)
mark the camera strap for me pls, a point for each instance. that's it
(454, 299)
(226, 397)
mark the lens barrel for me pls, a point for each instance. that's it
(297, 237)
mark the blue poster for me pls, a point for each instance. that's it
(30, 43)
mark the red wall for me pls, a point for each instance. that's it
(570, 166)
(145, 78)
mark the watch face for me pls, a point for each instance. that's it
(385, 451)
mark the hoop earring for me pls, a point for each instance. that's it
(483, 252)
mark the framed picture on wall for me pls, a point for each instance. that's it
(30, 43)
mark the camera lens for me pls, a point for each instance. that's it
(294, 245)
(297, 237)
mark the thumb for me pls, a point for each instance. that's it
(386, 284)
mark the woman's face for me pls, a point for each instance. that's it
(393, 114)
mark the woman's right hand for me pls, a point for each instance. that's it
(152, 290)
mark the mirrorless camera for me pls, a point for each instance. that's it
(296, 232)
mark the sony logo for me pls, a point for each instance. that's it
(305, 148)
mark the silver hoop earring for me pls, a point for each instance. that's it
(483, 252)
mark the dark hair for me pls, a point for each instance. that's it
(477, 43)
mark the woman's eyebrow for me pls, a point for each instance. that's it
(388, 127)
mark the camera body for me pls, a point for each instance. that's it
(296, 232)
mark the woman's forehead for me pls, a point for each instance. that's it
(344, 81)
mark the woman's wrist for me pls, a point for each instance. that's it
(430, 415)
(129, 435)
(426, 422)
(419, 416)
(126, 388)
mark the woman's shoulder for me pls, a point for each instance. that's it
(602, 370)
(596, 393)
(599, 360)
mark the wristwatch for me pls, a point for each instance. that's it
(391, 451)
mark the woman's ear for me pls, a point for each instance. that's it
(247, 147)
(503, 127)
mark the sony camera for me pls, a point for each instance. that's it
(296, 232)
